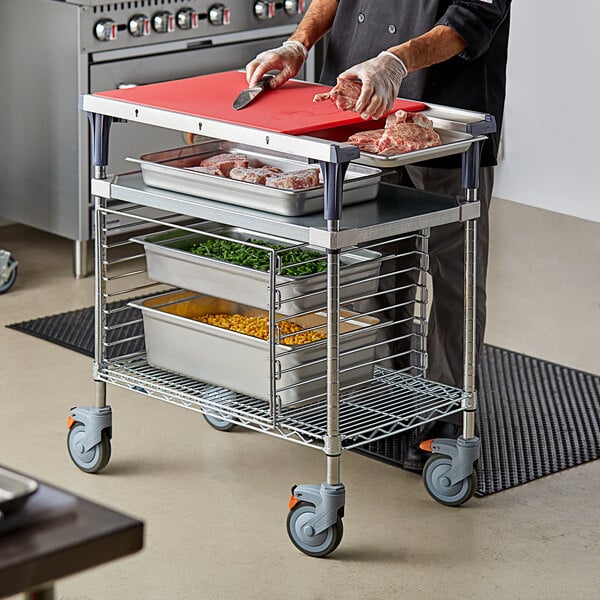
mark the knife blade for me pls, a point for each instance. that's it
(246, 96)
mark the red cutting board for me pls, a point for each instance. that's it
(289, 109)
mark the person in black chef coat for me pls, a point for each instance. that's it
(449, 52)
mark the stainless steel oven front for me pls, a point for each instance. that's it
(89, 45)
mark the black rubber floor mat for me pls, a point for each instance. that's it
(75, 329)
(535, 417)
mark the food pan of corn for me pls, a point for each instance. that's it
(226, 344)
(233, 263)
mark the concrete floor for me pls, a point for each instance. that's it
(215, 504)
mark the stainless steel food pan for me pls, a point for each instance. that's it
(453, 142)
(168, 261)
(169, 170)
(15, 490)
(239, 362)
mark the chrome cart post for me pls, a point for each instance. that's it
(450, 475)
(90, 428)
(314, 522)
(470, 182)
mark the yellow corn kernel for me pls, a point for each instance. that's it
(258, 327)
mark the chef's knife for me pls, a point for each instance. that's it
(246, 96)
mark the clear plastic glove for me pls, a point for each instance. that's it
(288, 59)
(381, 78)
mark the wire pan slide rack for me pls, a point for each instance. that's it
(372, 407)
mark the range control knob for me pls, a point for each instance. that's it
(219, 14)
(163, 22)
(139, 25)
(293, 7)
(264, 9)
(187, 18)
(106, 30)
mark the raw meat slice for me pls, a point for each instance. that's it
(366, 140)
(420, 119)
(253, 175)
(344, 94)
(408, 137)
(403, 132)
(294, 180)
(401, 116)
(225, 162)
(395, 118)
(208, 170)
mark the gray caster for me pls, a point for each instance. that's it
(449, 475)
(8, 271)
(214, 420)
(315, 525)
(88, 440)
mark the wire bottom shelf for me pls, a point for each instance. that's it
(390, 403)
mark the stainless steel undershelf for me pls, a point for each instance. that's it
(396, 210)
(391, 403)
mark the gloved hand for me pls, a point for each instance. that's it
(381, 79)
(288, 59)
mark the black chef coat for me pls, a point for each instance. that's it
(474, 80)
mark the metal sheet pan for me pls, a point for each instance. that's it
(176, 342)
(169, 261)
(15, 490)
(169, 170)
(453, 142)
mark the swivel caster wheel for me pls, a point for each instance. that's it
(219, 423)
(303, 536)
(437, 482)
(8, 271)
(92, 460)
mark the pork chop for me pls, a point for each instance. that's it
(225, 162)
(294, 180)
(253, 175)
(408, 137)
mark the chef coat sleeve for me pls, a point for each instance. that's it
(476, 21)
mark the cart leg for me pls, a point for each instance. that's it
(314, 522)
(450, 475)
(470, 344)
(90, 428)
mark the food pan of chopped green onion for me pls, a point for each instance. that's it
(234, 264)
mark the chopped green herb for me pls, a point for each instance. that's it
(304, 262)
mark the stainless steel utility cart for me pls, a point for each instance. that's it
(362, 378)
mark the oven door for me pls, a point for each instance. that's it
(136, 139)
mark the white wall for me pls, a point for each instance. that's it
(551, 135)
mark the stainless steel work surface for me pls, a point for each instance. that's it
(395, 211)
(306, 146)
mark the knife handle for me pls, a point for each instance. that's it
(263, 82)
